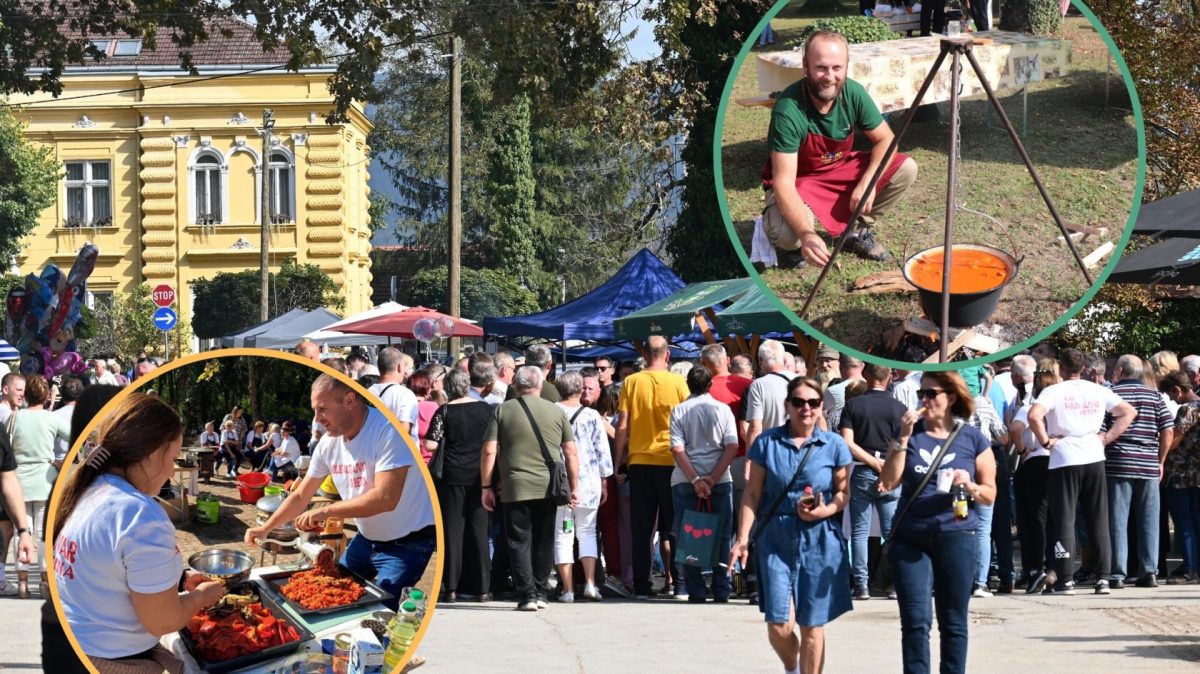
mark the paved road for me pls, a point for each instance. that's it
(20, 630)
(1133, 630)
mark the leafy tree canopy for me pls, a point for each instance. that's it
(229, 301)
(28, 183)
(485, 292)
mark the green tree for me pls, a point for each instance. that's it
(29, 177)
(126, 328)
(229, 301)
(485, 292)
(510, 186)
(1039, 17)
(551, 49)
(699, 42)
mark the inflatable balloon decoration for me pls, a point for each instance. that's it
(42, 316)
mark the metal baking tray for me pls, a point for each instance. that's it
(373, 595)
(243, 661)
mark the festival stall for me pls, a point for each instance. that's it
(590, 317)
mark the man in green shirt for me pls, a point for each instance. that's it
(814, 176)
(513, 465)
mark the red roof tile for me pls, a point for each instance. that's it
(240, 47)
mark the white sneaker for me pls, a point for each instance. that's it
(541, 603)
(8, 589)
(567, 598)
(527, 606)
(982, 592)
(591, 592)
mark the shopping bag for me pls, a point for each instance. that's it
(699, 531)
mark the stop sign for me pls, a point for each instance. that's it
(163, 295)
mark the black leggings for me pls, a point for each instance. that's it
(933, 16)
(1084, 485)
(1033, 508)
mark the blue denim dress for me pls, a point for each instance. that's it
(798, 562)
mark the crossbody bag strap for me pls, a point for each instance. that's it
(933, 468)
(783, 494)
(576, 415)
(538, 432)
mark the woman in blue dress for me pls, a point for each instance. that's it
(802, 567)
(933, 548)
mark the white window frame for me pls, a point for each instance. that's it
(223, 182)
(273, 169)
(89, 185)
(257, 176)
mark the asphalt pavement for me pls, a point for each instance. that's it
(1131, 630)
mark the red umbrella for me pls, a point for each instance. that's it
(402, 324)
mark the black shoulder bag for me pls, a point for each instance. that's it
(881, 576)
(560, 485)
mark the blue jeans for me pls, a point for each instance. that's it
(1184, 505)
(1002, 517)
(863, 495)
(938, 564)
(983, 543)
(392, 566)
(1139, 498)
(722, 504)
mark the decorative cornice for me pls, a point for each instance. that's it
(239, 119)
(181, 141)
(84, 123)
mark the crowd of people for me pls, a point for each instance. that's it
(1078, 452)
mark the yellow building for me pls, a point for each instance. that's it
(162, 169)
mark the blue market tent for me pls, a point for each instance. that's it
(643, 280)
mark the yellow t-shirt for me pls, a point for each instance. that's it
(647, 399)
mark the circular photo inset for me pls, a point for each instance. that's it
(855, 150)
(246, 512)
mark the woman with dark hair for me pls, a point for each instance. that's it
(800, 477)
(458, 429)
(132, 588)
(57, 653)
(34, 432)
(1029, 482)
(933, 540)
(238, 416)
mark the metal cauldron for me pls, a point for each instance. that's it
(966, 309)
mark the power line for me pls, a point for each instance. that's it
(531, 4)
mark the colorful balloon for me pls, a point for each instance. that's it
(445, 327)
(425, 330)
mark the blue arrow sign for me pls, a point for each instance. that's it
(165, 318)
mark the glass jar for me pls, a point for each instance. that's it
(341, 653)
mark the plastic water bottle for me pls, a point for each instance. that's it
(401, 630)
(417, 597)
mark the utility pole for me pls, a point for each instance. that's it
(454, 272)
(265, 271)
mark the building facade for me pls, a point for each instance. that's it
(163, 170)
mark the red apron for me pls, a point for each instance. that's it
(827, 171)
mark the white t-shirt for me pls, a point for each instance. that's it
(5, 412)
(61, 447)
(402, 402)
(1075, 413)
(291, 452)
(1032, 447)
(117, 541)
(764, 400)
(317, 431)
(377, 447)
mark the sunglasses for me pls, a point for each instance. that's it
(604, 368)
(799, 402)
(929, 392)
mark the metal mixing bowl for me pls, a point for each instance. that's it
(228, 566)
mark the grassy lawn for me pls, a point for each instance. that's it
(1085, 154)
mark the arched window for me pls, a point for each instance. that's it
(208, 190)
(280, 168)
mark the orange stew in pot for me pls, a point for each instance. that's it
(971, 271)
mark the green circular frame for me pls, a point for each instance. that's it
(719, 185)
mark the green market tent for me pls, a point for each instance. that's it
(756, 313)
(676, 314)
